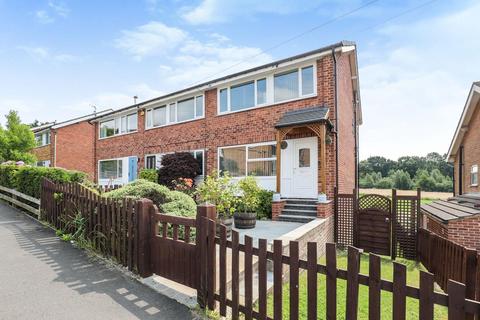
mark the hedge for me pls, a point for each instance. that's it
(28, 180)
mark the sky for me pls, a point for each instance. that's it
(58, 59)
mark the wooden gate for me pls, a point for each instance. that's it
(173, 249)
(374, 224)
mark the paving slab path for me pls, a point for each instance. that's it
(42, 277)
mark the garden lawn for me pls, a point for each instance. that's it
(413, 276)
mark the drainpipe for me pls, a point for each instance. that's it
(336, 115)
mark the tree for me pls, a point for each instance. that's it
(402, 180)
(16, 140)
(177, 165)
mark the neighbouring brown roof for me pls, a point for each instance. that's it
(458, 207)
(303, 116)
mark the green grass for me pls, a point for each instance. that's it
(386, 297)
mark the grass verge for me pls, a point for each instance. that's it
(413, 276)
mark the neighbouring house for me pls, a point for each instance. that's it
(464, 150)
(292, 123)
(458, 218)
(68, 144)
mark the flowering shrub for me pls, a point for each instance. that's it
(185, 185)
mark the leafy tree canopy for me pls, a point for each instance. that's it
(16, 140)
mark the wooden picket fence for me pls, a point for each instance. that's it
(135, 234)
(109, 226)
(449, 260)
(459, 307)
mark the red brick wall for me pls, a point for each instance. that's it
(346, 128)
(75, 147)
(277, 207)
(437, 227)
(249, 126)
(471, 145)
(43, 153)
(465, 232)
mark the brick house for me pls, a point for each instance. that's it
(458, 218)
(292, 123)
(464, 150)
(68, 144)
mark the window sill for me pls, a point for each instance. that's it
(45, 145)
(225, 113)
(118, 135)
(474, 185)
(173, 124)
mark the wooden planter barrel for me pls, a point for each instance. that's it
(228, 222)
(245, 220)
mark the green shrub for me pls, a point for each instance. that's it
(180, 204)
(7, 176)
(28, 180)
(149, 175)
(264, 209)
(171, 202)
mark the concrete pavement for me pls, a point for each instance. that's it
(42, 277)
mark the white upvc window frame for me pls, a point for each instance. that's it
(158, 158)
(270, 87)
(474, 173)
(247, 160)
(118, 129)
(43, 137)
(169, 105)
(117, 177)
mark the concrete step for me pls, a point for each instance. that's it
(307, 207)
(301, 201)
(294, 218)
(296, 212)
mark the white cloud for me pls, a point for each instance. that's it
(153, 38)
(43, 17)
(54, 9)
(415, 84)
(218, 11)
(60, 8)
(186, 60)
(45, 54)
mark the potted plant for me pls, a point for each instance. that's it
(219, 191)
(246, 216)
(322, 197)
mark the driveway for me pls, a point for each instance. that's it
(42, 277)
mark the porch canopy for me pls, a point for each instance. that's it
(313, 118)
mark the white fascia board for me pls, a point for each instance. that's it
(468, 109)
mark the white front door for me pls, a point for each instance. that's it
(300, 168)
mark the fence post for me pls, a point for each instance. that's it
(419, 202)
(204, 257)
(143, 218)
(335, 214)
(470, 275)
(355, 218)
(393, 224)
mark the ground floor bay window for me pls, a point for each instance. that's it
(258, 160)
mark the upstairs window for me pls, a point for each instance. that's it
(42, 138)
(175, 112)
(119, 125)
(474, 175)
(294, 84)
(243, 96)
